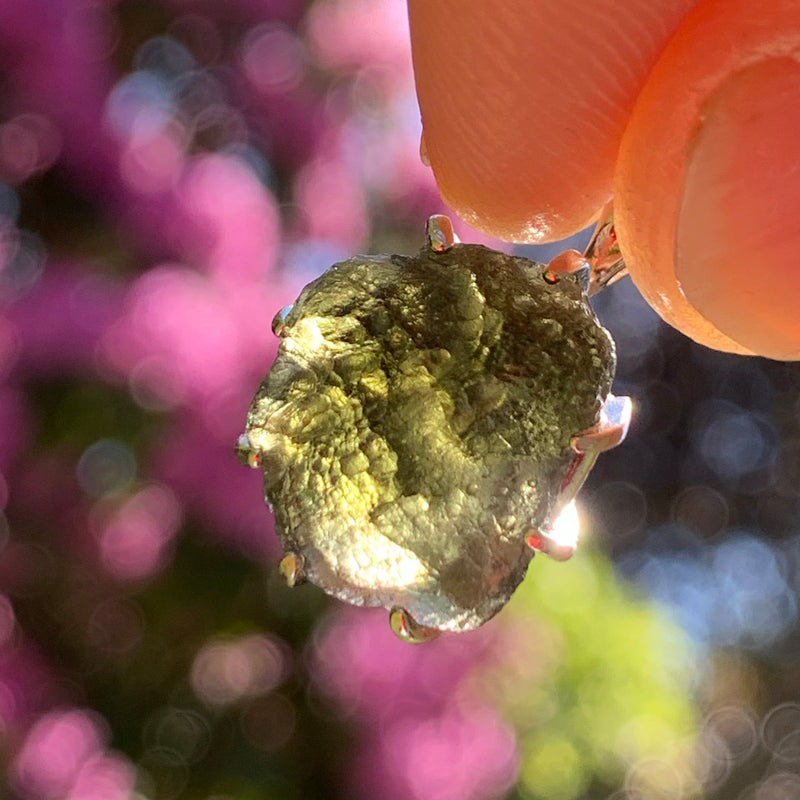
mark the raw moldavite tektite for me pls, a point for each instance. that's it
(415, 426)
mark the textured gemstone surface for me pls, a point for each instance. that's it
(416, 423)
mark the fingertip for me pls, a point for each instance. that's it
(523, 104)
(708, 228)
(483, 135)
(738, 226)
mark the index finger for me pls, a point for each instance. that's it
(524, 103)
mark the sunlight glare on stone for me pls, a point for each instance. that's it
(566, 527)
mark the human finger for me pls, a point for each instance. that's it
(710, 228)
(524, 103)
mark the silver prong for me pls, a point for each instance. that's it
(246, 453)
(291, 567)
(603, 253)
(610, 430)
(542, 542)
(441, 236)
(570, 264)
(279, 320)
(406, 628)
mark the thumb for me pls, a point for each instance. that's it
(524, 103)
(710, 228)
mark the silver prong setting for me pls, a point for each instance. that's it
(292, 569)
(279, 320)
(246, 453)
(407, 629)
(440, 233)
(603, 253)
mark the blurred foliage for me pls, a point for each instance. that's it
(609, 684)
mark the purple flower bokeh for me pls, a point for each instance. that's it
(64, 756)
(427, 731)
(210, 167)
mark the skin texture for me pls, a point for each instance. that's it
(724, 222)
(535, 112)
(524, 103)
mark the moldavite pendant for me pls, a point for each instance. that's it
(426, 421)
